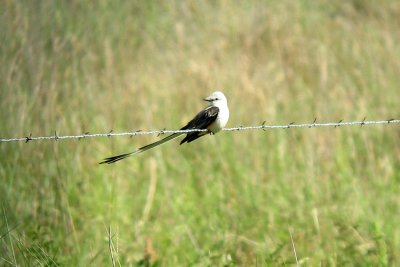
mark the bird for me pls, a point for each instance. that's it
(213, 118)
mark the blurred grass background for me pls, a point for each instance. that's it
(235, 199)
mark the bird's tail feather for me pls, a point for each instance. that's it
(115, 158)
(140, 150)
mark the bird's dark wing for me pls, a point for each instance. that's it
(201, 121)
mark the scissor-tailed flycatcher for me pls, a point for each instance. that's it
(213, 118)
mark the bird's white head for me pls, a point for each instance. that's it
(216, 99)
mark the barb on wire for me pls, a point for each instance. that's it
(289, 125)
(263, 127)
(363, 122)
(338, 123)
(27, 139)
(135, 133)
(161, 132)
(313, 124)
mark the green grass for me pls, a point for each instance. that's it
(234, 199)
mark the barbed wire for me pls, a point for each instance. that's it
(263, 127)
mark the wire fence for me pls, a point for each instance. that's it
(263, 127)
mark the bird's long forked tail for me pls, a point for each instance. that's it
(140, 150)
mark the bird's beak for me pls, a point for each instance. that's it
(207, 99)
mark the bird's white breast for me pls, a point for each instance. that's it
(221, 120)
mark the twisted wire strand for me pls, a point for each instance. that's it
(263, 126)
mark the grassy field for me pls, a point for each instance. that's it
(312, 197)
